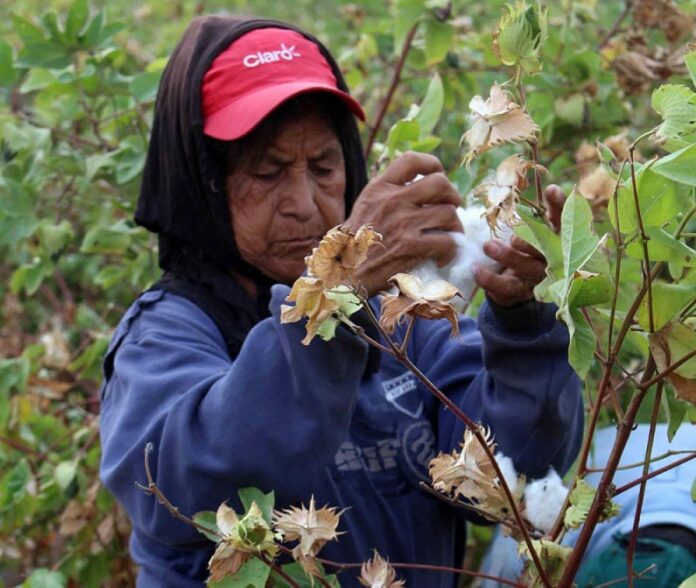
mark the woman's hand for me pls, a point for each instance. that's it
(523, 266)
(412, 216)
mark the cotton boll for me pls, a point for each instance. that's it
(508, 469)
(544, 499)
(459, 271)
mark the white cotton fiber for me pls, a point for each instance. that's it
(459, 271)
(544, 499)
(508, 469)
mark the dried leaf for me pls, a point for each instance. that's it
(377, 573)
(417, 299)
(226, 561)
(312, 527)
(226, 519)
(501, 194)
(664, 15)
(497, 120)
(598, 188)
(340, 253)
(74, 518)
(311, 301)
(469, 473)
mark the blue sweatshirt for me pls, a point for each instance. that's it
(306, 421)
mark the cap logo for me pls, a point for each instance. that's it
(262, 57)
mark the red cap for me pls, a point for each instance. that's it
(259, 71)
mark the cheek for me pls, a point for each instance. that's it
(251, 224)
(333, 207)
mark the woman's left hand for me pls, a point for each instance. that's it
(523, 266)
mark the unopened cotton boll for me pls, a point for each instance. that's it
(544, 499)
(460, 271)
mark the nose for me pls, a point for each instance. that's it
(299, 196)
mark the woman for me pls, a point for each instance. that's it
(254, 154)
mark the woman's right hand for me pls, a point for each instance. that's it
(412, 216)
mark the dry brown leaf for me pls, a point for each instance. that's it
(226, 561)
(311, 301)
(414, 298)
(598, 188)
(377, 573)
(684, 387)
(312, 527)
(501, 194)
(106, 529)
(497, 120)
(467, 473)
(340, 253)
(74, 518)
(664, 15)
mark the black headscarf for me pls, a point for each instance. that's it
(183, 194)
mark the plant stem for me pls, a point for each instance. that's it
(152, 488)
(534, 145)
(638, 464)
(644, 241)
(630, 552)
(407, 336)
(278, 570)
(669, 369)
(603, 490)
(662, 470)
(473, 427)
(619, 257)
(408, 41)
(617, 24)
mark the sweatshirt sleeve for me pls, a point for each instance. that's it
(272, 418)
(511, 374)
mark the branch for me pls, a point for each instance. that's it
(617, 24)
(638, 464)
(630, 552)
(473, 427)
(152, 488)
(668, 370)
(392, 87)
(657, 472)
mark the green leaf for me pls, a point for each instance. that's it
(207, 519)
(265, 502)
(144, 86)
(107, 239)
(553, 559)
(693, 499)
(401, 135)
(678, 166)
(253, 574)
(520, 36)
(690, 61)
(8, 74)
(589, 288)
(28, 277)
(64, 473)
(406, 14)
(55, 238)
(297, 574)
(674, 410)
(28, 32)
(571, 109)
(540, 235)
(672, 343)
(430, 108)
(581, 499)
(662, 246)
(660, 200)
(43, 578)
(667, 302)
(439, 38)
(582, 340)
(690, 582)
(77, 18)
(677, 106)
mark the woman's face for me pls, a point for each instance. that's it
(294, 194)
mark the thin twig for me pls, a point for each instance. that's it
(639, 464)
(619, 257)
(639, 575)
(662, 470)
(617, 24)
(408, 41)
(668, 370)
(152, 488)
(630, 552)
(473, 427)
(407, 336)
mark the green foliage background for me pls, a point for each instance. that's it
(77, 84)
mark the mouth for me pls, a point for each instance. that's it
(305, 243)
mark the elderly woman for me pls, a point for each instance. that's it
(254, 155)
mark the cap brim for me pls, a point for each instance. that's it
(240, 117)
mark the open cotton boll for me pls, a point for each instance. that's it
(544, 499)
(459, 272)
(508, 469)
